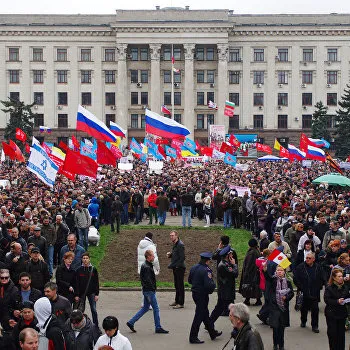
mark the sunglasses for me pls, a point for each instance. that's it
(4, 278)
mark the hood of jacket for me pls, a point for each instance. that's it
(43, 311)
(144, 243)
(94, 200)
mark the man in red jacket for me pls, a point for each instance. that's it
(152, 206)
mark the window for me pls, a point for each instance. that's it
(259, 55)
(233, 122)
(134, 54)
(177, 117)
(233, 77)
(134, 121)
(258, 99)
(134, 98)
(63, 139)
(210, 76)
(283, 55)
(210, 120)
(110, 118)
(62, 55)
(200, 54)
(14, 96)
(306, 77)
(38, 76)
(143, 121)
(62, 120)
(282, 99)
(200, 121)
(234, 97)
(177, 77)
(200, 76)
(109, 55)
(210, 54)
(144, 76)
(167, 76)
(14, 54)
(86, 98)
(200, 98)
(37, 54)
(306, 121)
(258, 121)
(109, 76)
(308, 55)
(306, 98)
(167, 98)
(14, 76)
(62, 76)
(144, 54)
(167, 53)
(62, 98)
(38, 120)
(282, 77)
(210, 96)
(85, 55)
(331, 121)
(235, 55)
(144, 98)
(177, 98)
(332, 77)
(86, 76)
(177, 53)
(282, 121)
(258, 77)
(332, 99)
(332, 55)
(110, 98)
(39, 98)
(134, 75)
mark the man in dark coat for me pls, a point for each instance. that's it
(125, 199)
(162, 203)
(39, 241)
(116, 213)
(38, 270)
(62, 232)
(308, 277)
(201, 278)
(137, 202)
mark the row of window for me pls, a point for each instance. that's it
(202, 53)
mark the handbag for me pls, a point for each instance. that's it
(80, 304)
(299, 301)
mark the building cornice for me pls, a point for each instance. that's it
(286, 32)
(56, 33)
(173, 29)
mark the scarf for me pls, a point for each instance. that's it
(281, 291)
(339, 286)
(78, 327)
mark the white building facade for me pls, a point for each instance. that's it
(274, 67)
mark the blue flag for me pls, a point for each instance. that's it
(89, 149)
(190, 145)
(230, 159)
(135, 146)
(171, 152)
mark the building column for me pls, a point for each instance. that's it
(222, 85)
(155, 100)
(189, 119)
(122, 99)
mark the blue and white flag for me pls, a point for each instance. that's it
(41, 165)
(89, 149)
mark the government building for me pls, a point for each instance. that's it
(273, 67)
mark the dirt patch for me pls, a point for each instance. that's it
(120, 260)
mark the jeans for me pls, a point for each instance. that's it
(92, 302)
(83, 237)
(149, 299)
(161, 217)
(228, 218)
(138, 213)
(50, 251)
(115, 219)
(186, 212)
(125, 214)
(152, 212)
(95, 222)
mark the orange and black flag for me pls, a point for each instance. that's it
(333, 164)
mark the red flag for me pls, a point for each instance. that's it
(162, 142)
(105, 155)
(176, 144)
(76, 143)
(9, 151)
(206, 151)
(18, 153)
(59, 162)
(229, 112)
(161, 151)
(27, 148)
(63, 146)
(234, 141)
(46, 148)
(226, 148)
(284, 152)
(263, 148)
(76, 163)
(21, 135)
(116, 151)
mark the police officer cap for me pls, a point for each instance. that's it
(206, 255)
(225, 251)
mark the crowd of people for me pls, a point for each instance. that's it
(45, 230)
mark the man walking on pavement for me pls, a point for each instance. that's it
(82, 222)
(187, 201)
(177, 264)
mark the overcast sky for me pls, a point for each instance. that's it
(239, 7)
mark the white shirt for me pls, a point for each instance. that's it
(119, 342)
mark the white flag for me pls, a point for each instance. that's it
(41, 165)
(3, 158)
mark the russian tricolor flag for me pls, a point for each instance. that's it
(164, 127)
(116, 129)
(87, 122)
(45, 129)
(315, 153)
(295, 153)
(319, 142)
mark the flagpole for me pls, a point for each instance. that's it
(172, 81)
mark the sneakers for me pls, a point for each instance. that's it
(178, 306)
(206, 226)
(173, 304)
(131, 327)
(161, 331)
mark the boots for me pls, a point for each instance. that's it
(172, 212)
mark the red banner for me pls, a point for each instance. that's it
(263, 148)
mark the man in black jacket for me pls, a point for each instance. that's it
(308, 278)
(137, 203)
(187, 201)
(39, 241)
(178, 266)
(148, 281)
(116, 213)
(38, 270)
(125, 199)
